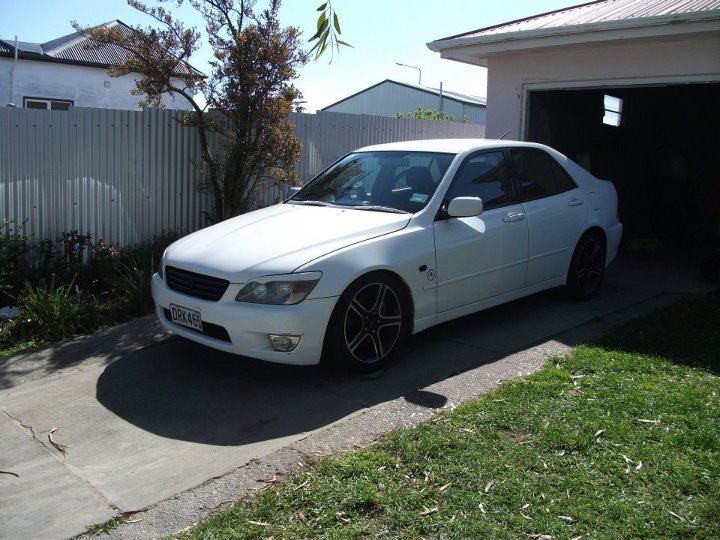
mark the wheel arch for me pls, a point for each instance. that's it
(598, 230)
(583, 278)
(405, 291)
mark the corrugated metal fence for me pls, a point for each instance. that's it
(126, 176)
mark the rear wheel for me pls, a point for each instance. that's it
(369, 323)
(587, 267)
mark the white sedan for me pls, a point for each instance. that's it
(388, 241)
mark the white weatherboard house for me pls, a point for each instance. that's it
(629, 88)
(64, 73)
(388, 98)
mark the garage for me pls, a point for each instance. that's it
(628, 89)
(658, 144)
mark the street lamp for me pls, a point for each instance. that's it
(414, 67)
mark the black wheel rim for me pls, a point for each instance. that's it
(373, 322)
(590, 268)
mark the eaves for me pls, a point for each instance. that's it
(475, 49)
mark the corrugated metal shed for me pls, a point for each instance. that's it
(602, 11)
(389, 97)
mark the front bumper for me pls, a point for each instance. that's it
(243, 328)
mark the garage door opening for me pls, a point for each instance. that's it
(659, 145)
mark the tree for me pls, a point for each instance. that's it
(426, 114)
(246, 141)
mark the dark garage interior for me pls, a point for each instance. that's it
(660, 147)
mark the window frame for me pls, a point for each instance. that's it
(555, 167)
(511, 192)
(49, 102)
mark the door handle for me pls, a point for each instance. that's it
(515, 216)
(576, 202)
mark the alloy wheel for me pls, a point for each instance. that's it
(373, 323)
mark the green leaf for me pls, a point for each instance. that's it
(322, 21)
(327, 32)
(324, 29)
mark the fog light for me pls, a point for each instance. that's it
(284, 343)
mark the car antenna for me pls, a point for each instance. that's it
(504, 134)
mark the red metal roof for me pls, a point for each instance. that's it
(602, 11)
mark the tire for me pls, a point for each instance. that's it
(368, 325)
(587, 267)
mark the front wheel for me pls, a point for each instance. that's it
(369, 323)
(587, 267)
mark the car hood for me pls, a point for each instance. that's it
(277, 239)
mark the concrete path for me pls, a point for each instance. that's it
(164, 430)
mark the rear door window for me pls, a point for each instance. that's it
(537, 174)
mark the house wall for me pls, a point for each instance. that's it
(389, 99)
(85, 86)
(511, 76)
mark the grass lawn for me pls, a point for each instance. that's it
(619, 440)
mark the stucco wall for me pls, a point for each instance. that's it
(85, 86)
(512, 75)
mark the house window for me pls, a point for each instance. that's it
(613, 111)
(47, 104)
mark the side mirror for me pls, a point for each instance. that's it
(465, 207)
(292, 191)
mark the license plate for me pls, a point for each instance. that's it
(186, 317)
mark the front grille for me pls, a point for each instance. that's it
(209, 329)
(197, 285)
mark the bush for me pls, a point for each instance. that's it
(13, 261)
(132, 282)
(72, 286)
(50, 309)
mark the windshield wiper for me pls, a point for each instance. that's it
(389, 209)
(309, 203)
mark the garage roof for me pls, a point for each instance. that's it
(600, 18)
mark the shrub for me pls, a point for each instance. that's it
(50, 309)
(13, 261)
(72, 286)
(73, 255)
(132, 281)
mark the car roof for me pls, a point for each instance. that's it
(467, 146)
(455, 146)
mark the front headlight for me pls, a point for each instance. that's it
(285, 290)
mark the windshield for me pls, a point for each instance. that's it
(384, 181)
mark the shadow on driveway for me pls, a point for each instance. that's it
(181, 390)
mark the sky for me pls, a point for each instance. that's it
(382, 33)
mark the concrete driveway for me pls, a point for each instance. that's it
(166, 430)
